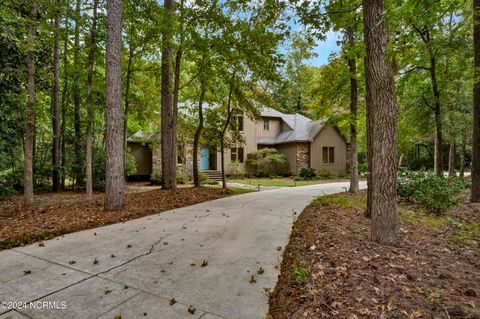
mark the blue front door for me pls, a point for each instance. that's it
(204, 158)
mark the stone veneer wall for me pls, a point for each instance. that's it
(186, 168)
(303, 156)
(156, 157)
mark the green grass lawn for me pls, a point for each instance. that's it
(280, 182)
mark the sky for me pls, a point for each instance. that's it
(324, 48)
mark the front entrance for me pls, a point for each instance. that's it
(208, 159)
(204, 158)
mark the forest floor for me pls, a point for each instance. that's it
(66, 212)
(331, 270)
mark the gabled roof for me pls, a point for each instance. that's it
(302, 129)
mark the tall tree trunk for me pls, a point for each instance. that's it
(114, 183)
(55, 105)
(475, 188)
(352, 66)
(90, 109)
(64, 97)
(452, 149)
(462, 152)
(128, 77)
(224, 131)
(381, 102)
(438, 159)
(28, 199)
(167, 134)
(76, 96)
(196, 139)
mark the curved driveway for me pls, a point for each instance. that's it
(138, 268)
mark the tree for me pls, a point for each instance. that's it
(56, 103)
(196, 139)
(168, 136)
(64, 97)
(76, 94)
(352, 66)
(475, 188)
(90, 109)
(381, 123)
(30, 119)
(114, 183)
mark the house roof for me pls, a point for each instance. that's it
(302, 129)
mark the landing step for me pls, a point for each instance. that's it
(213, 175)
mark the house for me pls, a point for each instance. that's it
(306, 143)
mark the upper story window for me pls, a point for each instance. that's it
(266, 124)
(239, 120)
(237, 154)
(328, 154)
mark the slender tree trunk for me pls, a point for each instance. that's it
(114, 184)
(382, 103)
(196, 139)
(223, 132)
(475, 189)
(90, 111)
(76, 96)
(55, 105)
(462, 153)
(352, 66)
(452, 163)
(64, 97)
(127, 104)
(28, 199)
(438, 159)
(168, 138)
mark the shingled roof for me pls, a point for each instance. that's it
(302, 129)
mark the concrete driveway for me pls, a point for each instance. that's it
(152, 267)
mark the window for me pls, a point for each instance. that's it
(328, 154)
(266, 125)
(181, 154)
(239, 119)
(237, 154)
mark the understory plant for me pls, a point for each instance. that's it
(436, 193)
(267, 162)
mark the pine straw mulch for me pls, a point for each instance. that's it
(61, 213)
(331, 270)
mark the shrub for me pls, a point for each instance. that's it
(210, 182)
(326, 173)
(436, 193)
(237, 169)
(7, 183)
(267, 162)
(202, 176)
(156, 178)
(183, 177)
(99, 159)
(307, 173)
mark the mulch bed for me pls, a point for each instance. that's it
(427, 276)
(57, 214)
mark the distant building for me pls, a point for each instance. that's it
(305, 142)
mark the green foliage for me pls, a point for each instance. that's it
(436, 193)
(202, 176)
(210, 182)
(300, 272)
(267, 162)
(307, 173)
(156, 178)
(182, 177)
(9, 182)
(237, 169)
(99, 168)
